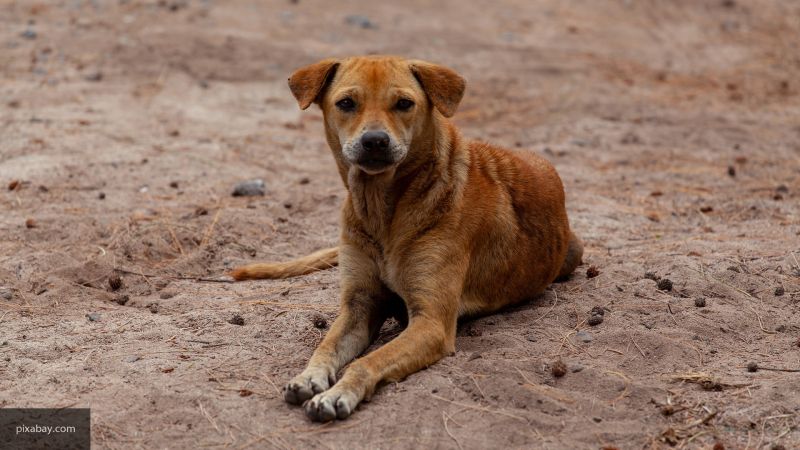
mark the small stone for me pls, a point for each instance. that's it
(94, 76)
(360, 21)
(305, 180)
(249, 188)
(6, 293)
(236, 320)
(731, 171)
(173, 184)
(167, 294)
(474, 356)
(558, 369)
(700, 302)
(783, 189)
(592, 272)
(320, 322)
(132, 359)
(577, 368)
(652, 276)
(114, 282)
(28, 34)
(153, 307)
(30, 223)
(93, 317)
(780, 328)
(779, 291)
(752, 367)
(584, 336)
(122, 299)
(598, 311)
(597, 419)
(665, 284)
(101, 195)
(13, 185)
(595, 320)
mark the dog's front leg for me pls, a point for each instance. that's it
(430, 335)
(364, 308)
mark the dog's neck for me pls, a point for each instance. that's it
(435, 168)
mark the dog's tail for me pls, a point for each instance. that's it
(319, 260)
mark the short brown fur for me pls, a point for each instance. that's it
(454, 228)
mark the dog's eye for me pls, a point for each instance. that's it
(346, 104)
(404, 104)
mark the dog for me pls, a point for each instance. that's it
(434, 227)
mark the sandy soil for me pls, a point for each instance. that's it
(675, 126)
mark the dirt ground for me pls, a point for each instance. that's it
(674, 125)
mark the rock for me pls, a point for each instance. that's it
(6, 293)
(28, 34)
(249, 188)
(558, 368)
(665, 284)
(132, 359)
(236, 320)
(584, 336)
(114, 282)
(122, 299)
(93, 317)
(320, 322)
(169, 293)
(595, 320)
(94, 76)
(358, 20)
(700, 302)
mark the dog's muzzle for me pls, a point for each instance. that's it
(376, 151)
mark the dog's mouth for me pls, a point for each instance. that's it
(374, 165)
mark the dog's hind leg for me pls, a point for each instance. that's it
(573, 259)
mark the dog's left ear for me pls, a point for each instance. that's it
(443, 86)
(308, 82)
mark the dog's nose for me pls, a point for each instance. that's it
(375, 141)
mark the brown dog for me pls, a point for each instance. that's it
(434, 227)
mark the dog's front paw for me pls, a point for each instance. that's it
(304, 386)
(332, 404)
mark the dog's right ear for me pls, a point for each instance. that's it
(308, 82)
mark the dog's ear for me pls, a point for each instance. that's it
(308, 82)
(443, 86)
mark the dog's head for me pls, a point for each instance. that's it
(375, 107)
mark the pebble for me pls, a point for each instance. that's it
(595, 320)
(700, 302)
(132, 359)
(93, 317)
(236, 320)
(6, 293)
(665, 284)
(94, 76)
(584, 336)
(28, 34)
(249, 188)
(360, 21)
